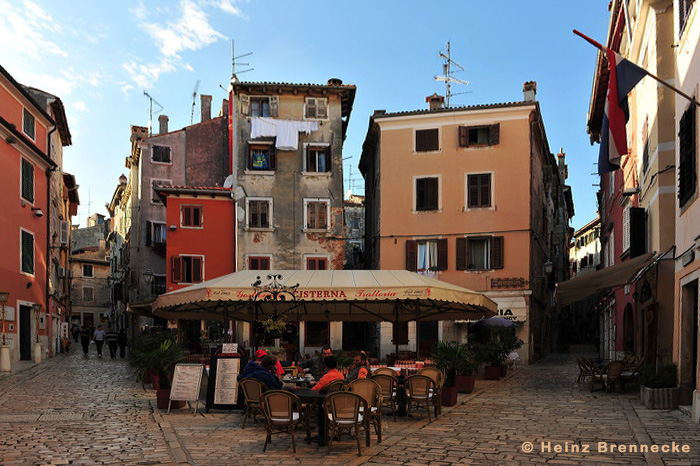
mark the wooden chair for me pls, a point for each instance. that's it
(585, 368)
(631, 373)
(385, 371)
(439, 378)
(335, 386)
(390, 391)
(609, 376)
(283, 413)
(344, 411)
(372, 393)
(420, 390)
(252, 391)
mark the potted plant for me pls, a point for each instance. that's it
(466, 366)
(162, 360)
(658, 388)
(507, 343)
(447, 355)
(274, 327)
(494, 350)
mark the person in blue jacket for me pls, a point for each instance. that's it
(264, 371)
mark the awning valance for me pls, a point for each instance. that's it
(621, 274)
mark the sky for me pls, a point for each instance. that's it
(100, 57)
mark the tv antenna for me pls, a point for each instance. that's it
(235, 63)
(150, 111)
(194, 100)
(448, 72)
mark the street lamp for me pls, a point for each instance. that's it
(548, 267)
(5, 365)
(148, 277)
(37, 345)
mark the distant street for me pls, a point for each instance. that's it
(71, 410)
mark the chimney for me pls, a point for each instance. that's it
(436, 101)
(530, 91)
(163, 122)
(335, 82)
(206, 107)
(561, 163)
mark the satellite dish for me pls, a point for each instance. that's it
(228, 183)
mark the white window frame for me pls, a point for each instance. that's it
(82, 293)
(327, 257)
(493, 190)
(182, 217)
(33, 255)
(204, 267)
(153, 153)
(271, 217)
(170, 183)
(439, 149)
(153, 232)
(92, 270)
(306, 102)
(251, 255)
(259, 97)
(21, 179)
(305, 170)
(415, 195)
(24, 129)
(250, 171)
(328, 214)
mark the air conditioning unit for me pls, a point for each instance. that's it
(61, 272)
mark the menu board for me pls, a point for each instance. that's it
(226, 384)
(186, 382)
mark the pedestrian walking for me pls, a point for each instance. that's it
(112, 338)
(76, 332)
(121, 340)
(85, 339)
(99, 337)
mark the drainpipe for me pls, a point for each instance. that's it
(49, 321)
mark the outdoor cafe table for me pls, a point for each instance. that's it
(315, 397)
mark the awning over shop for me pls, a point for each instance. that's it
(621, 274)
(142, 308)
(328, 295)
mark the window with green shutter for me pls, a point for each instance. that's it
(27, 180)
(29, 124)
(27, 252)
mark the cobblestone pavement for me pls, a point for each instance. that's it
(71, 410)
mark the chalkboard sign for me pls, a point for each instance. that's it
(186, 383)
(222, 384)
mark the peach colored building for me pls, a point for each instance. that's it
(471, 196)
(686, 349)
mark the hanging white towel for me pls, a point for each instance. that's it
(262, 127)
(286, 131)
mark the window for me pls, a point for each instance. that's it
(318, 159)
(625, 229)
(316, 263)
(683, 13)
(470, 136)
(88, 293)
(27, 254)
(316, 108)
(187, 269)
(400, 333)
(157, 233)
(427, 140)
(687, 179)
(261, 157)
(354, 222)
(259, 263)
(426, 255)
(260, 106)
(259, 213)
(480, 253)
(479, 190)
(316, 214)
(191, 216)
(427, 193)
(317, 333)
(155, 183)
(158, 286)
(161, 154)
(27, 181)
(28, 124)
(87, 270)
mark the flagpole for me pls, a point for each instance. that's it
(659, 80)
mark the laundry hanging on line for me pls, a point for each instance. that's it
(286, 131)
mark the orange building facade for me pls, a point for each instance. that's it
(468, 196)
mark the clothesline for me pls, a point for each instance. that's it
(286, 131)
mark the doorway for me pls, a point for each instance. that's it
(25, 333)
(688, 364)
(359, 336)
(428, 337)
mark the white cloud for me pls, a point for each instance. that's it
(227, 6)
(79, 105)
(26, 28)
(145, 75)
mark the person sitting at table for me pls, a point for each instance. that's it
(316, 365)
(360, 369)
(332, 373)
(264, 371)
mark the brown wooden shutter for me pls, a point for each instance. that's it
(485, 190)
(463, 136)
(253, 217)
(442, 254)
(310, 162)
(638, 237)
(311, 215)
(175, 269)
(245, 104)
(494, 134)
(473, 187)
(497, 252)
(197, 216)
(263, 214)
(274, 106)
(273, 157)
(431, 193)
(149, 233)
(322, 220)
(461, 252)
(411, 255)
(328, 159)
(186, 216)
(311, 108)
(196, 269)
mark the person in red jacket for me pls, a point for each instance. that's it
(332, 373)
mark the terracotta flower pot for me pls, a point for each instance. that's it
(492, 372)
(465, 383)
(449, 396)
